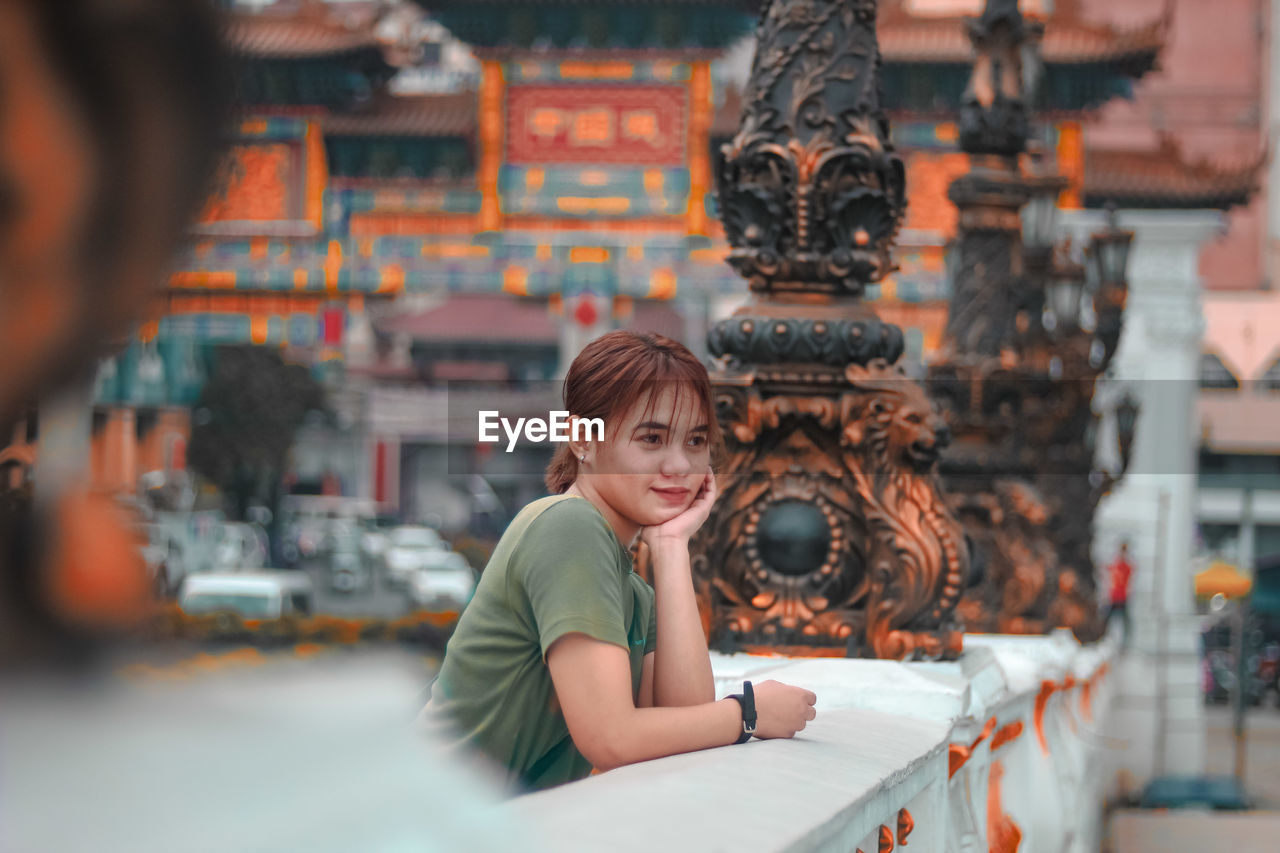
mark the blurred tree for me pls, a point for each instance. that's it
(245, 423)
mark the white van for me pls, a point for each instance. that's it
(253, 595)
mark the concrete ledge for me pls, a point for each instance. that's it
(1006, 737)
(847, 773)
(871, 685)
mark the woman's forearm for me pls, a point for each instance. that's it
(681, 666)
(650, 733)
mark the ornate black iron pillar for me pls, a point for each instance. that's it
(988, 259)
(981, 375)
(831, 536)
(993, 131)
(1019, 391)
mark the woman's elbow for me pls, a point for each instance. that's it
(604, 750)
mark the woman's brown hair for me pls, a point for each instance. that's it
(616, 370)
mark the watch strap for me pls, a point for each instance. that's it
(747, 699)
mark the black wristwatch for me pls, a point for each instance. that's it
(747, 699)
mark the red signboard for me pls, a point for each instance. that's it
(331, 326)
(627, 125)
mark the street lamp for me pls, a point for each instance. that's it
(1126, 428)
(1107, 261)
(1093, 276)
(1109, 251)
(1062, 292)
(1040, 213)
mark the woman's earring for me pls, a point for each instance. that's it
(582, 458)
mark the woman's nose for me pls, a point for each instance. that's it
(676, 462)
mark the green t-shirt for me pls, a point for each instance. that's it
(559, 568)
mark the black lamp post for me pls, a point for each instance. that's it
(1109, 250)
(1107, 262)
(1040, 214)
(1063, 291)
(1039, 227)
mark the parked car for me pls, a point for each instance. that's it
(251, 595)
(310, 522)
(374, 541)
(348, 571)
(410, 548)
(444, 582)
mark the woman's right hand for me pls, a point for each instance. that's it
(781, 709)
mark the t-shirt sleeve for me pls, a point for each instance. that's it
(568, 569)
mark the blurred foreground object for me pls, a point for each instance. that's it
(110, 118)
(831, 535)
(109, 124)
(311, 756)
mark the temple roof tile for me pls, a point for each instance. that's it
(451, 114)
(1164, 177)
(304, 33)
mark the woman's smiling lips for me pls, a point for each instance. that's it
(673, 494)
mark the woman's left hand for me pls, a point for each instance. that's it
(684, 525)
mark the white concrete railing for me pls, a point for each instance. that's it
(997, 750)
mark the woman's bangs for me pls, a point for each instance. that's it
(687, 386)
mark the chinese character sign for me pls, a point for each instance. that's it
(639, 125)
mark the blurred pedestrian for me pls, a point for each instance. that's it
(1120, 574)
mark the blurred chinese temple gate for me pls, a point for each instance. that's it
(346, 190)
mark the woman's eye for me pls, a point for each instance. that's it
(651, 438)
(697, 441)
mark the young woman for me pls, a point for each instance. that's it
(566, 660)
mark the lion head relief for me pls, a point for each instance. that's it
(893, 435)
(892, 419)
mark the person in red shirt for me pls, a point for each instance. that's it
(1120, 572)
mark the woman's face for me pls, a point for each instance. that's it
(652, 462)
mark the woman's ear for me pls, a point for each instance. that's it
(581, 447)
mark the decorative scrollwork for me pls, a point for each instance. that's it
(1014, 553)
(811, 192)
(830, 528)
